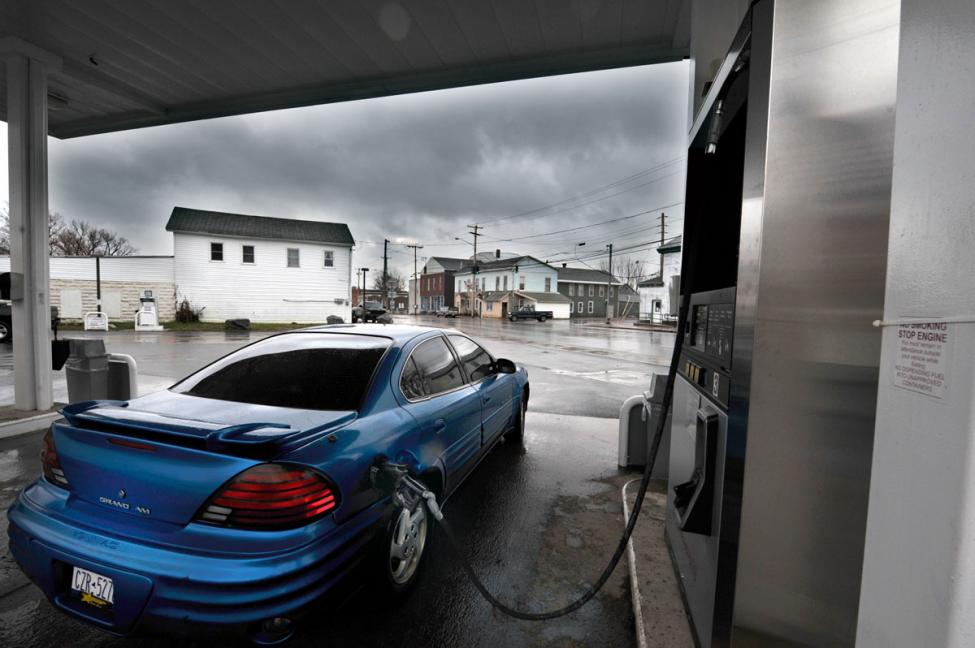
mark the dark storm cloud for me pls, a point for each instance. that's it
(410, 167)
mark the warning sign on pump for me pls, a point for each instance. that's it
(923, 352)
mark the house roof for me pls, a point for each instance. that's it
(586, 275)
(653, 281)
(503, 264)
(673, 245)
(494, 295)
(449, 264)
(199, 221)
(544, 297)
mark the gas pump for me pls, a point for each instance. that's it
(147, 317)
(785, 238)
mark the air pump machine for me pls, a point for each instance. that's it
(786, 213)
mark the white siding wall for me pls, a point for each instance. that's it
(648, 295)
(267, 290)
(136, 268)
(534, 273)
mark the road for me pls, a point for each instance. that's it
(541, 521)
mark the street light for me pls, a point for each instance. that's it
(364, 271)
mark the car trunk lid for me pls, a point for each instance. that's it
(142, 460)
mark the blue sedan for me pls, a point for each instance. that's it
(242, 494)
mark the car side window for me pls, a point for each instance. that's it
(437, 367)
(411, 381)
(478, 362)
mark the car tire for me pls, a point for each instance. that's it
(402, 549)
(4, 331)
(517, 431)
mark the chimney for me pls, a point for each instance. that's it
(565, 265)
(497, 253)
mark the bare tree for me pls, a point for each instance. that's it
(629, 270)
(79, 238)
(395, 280)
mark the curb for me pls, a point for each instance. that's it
(641, 634)
(28, 425)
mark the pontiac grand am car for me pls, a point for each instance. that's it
(240, 495)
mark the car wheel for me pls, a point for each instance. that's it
(405, 542)
(4, 331)
(517, 431)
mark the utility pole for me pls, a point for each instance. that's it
(609, 280)
(385, 273)
(663, 236)
(416, 278)
(474, 230)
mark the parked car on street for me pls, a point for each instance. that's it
(446, 311)
(231, 501)
(529, 312)
(372, 312)
(7, 325)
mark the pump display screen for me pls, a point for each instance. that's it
(699, 327)
(721, 324)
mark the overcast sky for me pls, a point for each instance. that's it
(573, 150)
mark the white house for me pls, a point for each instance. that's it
(521, 274)
(659, 294)
(265, 269)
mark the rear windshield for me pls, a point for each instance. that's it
(320, 371)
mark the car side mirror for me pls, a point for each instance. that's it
(505, 366)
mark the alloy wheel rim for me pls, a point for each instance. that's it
(408, 542)
(3, 330)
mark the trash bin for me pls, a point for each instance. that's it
(638, 422)
(86, 371)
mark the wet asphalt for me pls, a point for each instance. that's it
(539, 521)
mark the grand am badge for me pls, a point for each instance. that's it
(125, 506)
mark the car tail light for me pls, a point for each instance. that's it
(271, 496)
(50, 462)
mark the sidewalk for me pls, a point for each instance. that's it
(658, 608)
(629, 325)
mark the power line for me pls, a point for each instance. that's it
(593, 192)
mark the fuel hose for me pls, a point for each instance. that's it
(455, 545)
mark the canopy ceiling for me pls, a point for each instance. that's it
(129, 64)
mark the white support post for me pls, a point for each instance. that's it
(27, 151)
(918, 586)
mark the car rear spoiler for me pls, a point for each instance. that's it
(246, 438)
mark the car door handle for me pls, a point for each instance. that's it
(439, 426)
(487, 399)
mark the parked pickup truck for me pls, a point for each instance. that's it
(371, 313)
(529, 312)
(6, 321)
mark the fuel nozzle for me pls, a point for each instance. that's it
(406, 490)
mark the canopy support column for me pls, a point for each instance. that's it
(27, 153)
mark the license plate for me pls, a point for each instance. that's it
(94, 588)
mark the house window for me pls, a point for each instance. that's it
(505, 283)
(490, 306)
(329, 258)
(497, 284)
(592, 291)
(610, 291)
(571, 308)
(483, 283)
(579, 308)
(293, 258)
(247, 254)
(572, 290)
(521, 282)
(590, 307)
(216, 251)
(602, 291)
(548, 284)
